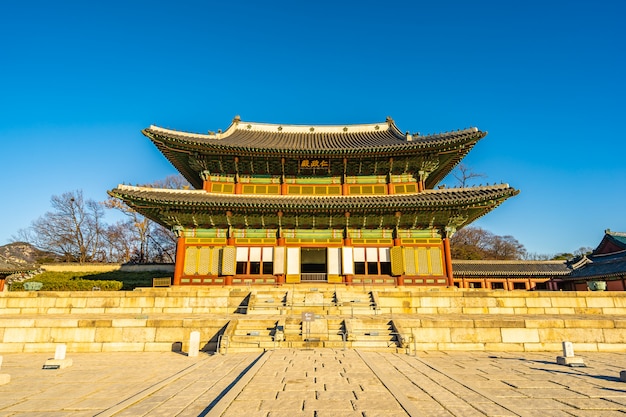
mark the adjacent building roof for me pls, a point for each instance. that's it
(611, 242)
(512, 268)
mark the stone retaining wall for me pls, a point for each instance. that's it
(156, 319)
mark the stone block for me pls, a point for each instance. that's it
(122, 310)
(544, 323)
(600, 301)
(610, 347)
(501, 310)
(56, 322)
(514, 302)
(512, 335)
(170, 334)
(575, 335)
(158, 347)
(538, 302)
(38, 347)
(614, 311)
(499, 322)
(475, 310)
(22, 335)
(431, 335)
(587, 323)
(424, 347)
(504, 347)
(136, 302)
(5, 379)
(426, 310)
(108, 334)
(446, 322)
(122, 347)
(95, 323)
(84, 347)
(16, 322)
(542, 347)
(588, 311)
(102, 302)
(568, 301)
(138, 322)
(54, 311)
(535, 310)
(475, 335)
(435, 302)
(614, 335)
(138, 334)
(66, 302)
(564, 311)
(72, 334)
(11, 347)
(178, 310)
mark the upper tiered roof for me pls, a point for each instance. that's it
(190, 153)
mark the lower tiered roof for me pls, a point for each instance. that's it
(427, 209)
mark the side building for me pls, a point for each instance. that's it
(603, 269)
(276, 204)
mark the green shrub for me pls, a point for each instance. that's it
(88, 281)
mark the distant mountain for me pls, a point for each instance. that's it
(22, 254)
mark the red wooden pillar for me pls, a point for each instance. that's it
(448, 260)
(180, 260)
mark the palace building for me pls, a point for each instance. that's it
(278, 203)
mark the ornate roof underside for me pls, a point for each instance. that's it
(490, 268)
(266, 144)
(425, 210)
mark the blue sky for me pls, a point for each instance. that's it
(546, 79)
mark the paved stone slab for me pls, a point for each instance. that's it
(313, 383)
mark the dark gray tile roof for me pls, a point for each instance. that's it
(510, 268)
(428, 198)
(601, 266)
(256, 137)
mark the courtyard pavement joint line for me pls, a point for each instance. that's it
(408, 406)
(150, 390)
(221, 403)
(445, 386)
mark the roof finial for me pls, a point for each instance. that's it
(237, 119)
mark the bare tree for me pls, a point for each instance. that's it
(478, 243)
(146, 240)
(73, 229)
(463, 174)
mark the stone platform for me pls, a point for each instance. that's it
(256, 319)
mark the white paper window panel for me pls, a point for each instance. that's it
(279, 260)
(359, 254)
(293, 261)
(268, 254)
(347, 259)
(371, 254)
(334, 261)
(384, 254)
(255, 254)
(242, 254)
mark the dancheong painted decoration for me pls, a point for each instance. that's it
(276, 204)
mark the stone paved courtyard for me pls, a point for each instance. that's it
(314, 383)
